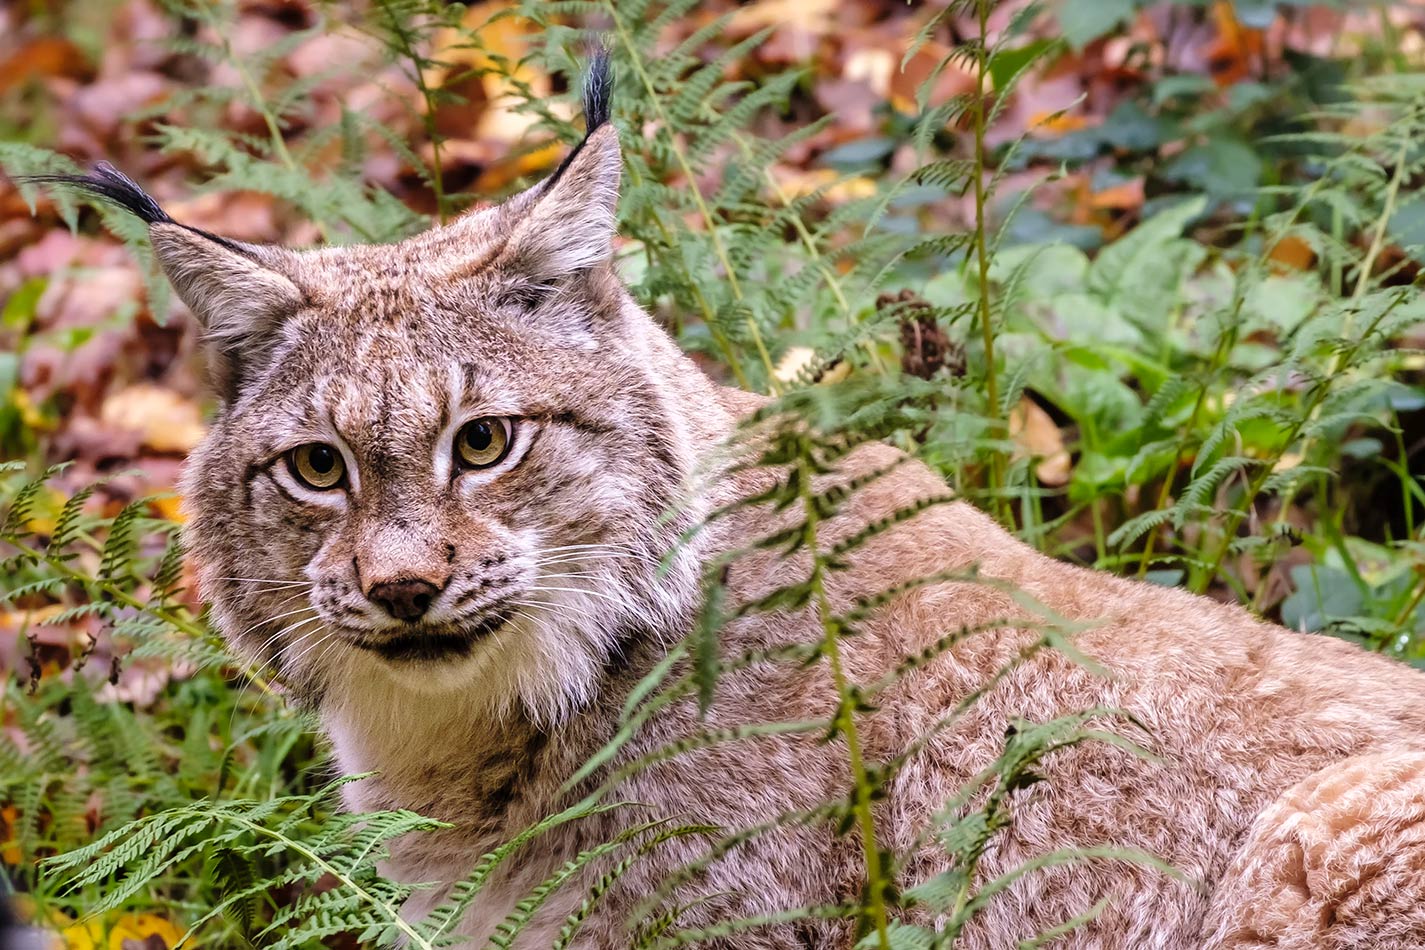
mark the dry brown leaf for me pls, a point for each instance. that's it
(507, 38)
(1037, 437)
(1232, 56)
(42, 58)
(166, 421)
(814, 16)
(954, 78)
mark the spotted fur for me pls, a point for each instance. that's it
(1287, 785)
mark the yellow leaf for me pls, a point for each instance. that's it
(167, 421)
(97, 934)
(499, 175)
(169, 507)
(30, 414)
(88, 935)
(140, 927)
(47, 505)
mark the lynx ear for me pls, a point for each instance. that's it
(560, 227)
(566, 224)
(233, 290)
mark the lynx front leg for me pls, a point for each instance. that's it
(1337, 862)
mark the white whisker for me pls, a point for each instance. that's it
(578, 610)
(290, 628)
(262, 648)
(331, 632)
(578, 590)
(587, 556)
(267, 620)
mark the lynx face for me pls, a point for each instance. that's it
(444, 463)
(421, 472)
(441, 464)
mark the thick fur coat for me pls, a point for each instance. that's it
(1287, 783)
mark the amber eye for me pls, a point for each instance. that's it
(481, 443)
(317, 465)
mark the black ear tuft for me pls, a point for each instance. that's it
(598, 92)
(113, 186)
(109, 184)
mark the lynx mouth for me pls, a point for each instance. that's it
(435, 644)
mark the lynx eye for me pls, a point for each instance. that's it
(482, 442)
(316, 465)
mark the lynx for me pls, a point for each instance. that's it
(459, 454)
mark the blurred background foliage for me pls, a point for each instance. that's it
(1143, 269)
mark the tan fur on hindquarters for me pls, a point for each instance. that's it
(1336, 863)
(517, 311)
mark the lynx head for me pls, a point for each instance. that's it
(439, 464)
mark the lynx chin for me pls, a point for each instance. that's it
(459, 453)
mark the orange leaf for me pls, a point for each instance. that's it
(10, 851)
(1292, 253)
(42, 58)
(1236, 46)
(1051, 123)
(1126, 196)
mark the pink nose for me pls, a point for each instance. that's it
(407, 599)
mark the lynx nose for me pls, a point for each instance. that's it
(407, 599)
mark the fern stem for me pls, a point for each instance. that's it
(709, 314)
(800, 227)
(1403, 617)
(981, 240)
(687, 169)
(827, 272)
(409, 932)
(407, 49)
(1220, 353)
(845, 717)
(1392, 194)
(117, 593)
(1338, 362)
(274, 128)
(1314, 400)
